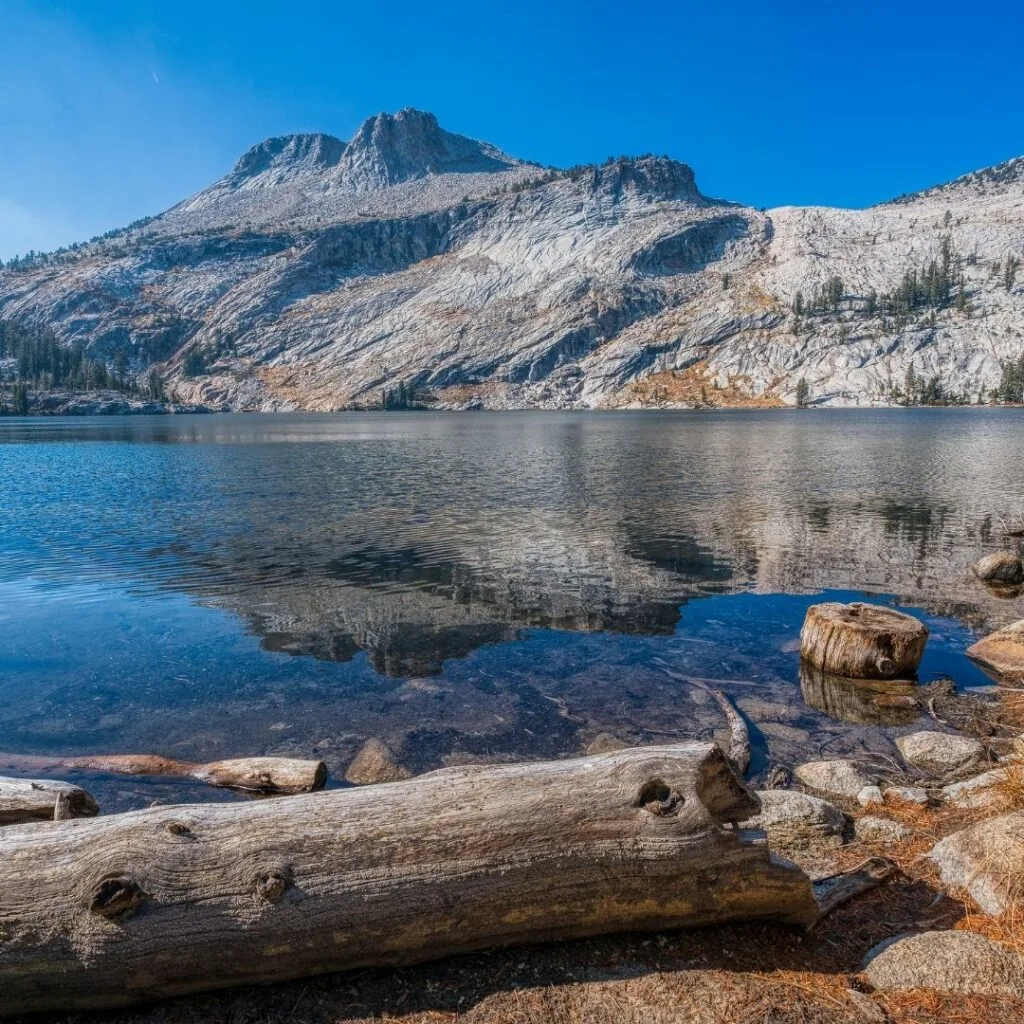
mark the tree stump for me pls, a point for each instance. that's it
(170, 900)
(862, 641)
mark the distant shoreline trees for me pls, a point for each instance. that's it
(33, 357)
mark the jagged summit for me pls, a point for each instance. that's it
(410, 260)
(392, 148)
(287, 155)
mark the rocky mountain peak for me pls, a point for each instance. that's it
(287, 155)
(392, 148)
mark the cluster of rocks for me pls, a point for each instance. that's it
(985, 859)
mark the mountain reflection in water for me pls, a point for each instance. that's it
(477, 586)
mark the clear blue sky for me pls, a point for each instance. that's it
(111, 110)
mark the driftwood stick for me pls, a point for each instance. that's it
(739, 734)
(836, 889)
(23, 800)
(252, 774)
(170, 900)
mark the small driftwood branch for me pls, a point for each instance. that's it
(739, 734)
(23, 800)
(252, 774)
(837, 889)
(171, 900)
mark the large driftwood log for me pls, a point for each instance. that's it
(23, 800)
(251, 774)
(170, 900)
(862, 641)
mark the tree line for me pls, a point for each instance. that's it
(34, 358)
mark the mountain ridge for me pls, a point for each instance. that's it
(411, 261)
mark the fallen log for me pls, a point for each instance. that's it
(862, 641)
(23, 800)
(170, 900)
(251, 774)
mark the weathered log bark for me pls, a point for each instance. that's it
(834, 890)
(252, 774)
(862, 641)
(180, 899)
(23, 800)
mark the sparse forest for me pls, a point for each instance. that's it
(924, 289)
(33, 358)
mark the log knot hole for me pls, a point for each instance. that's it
(270, 886)
(116, 897)
(658, 798)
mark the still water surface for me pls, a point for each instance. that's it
(476, 586)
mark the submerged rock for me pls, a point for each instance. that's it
(375, 762)
(880, 830)
(940, 753)
(834, 778)
(961, 962)
(1002, 567)
(864, 701)
(605, 743)
(1002, 652)
(796, 820)
(987, 860)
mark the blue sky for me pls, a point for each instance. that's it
(112, 110)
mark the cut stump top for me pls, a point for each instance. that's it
(862, 641)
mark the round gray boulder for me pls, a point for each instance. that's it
(838, 778)
(797, 821)
(940, 753)
(961, 962)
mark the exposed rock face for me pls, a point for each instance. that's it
(869, 796)
(907, 795)
(940, 753)
(958, 961)
(797, 821)
(319, 274)
(1002, 567)
(987, 860)
(833, 778)
(1002, 652)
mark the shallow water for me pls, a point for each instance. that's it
(476, 586)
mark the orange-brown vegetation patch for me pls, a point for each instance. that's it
(301, 388)
(696, 387)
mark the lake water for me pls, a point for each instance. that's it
(477, 586)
